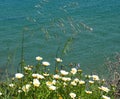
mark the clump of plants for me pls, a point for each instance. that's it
(36, 82)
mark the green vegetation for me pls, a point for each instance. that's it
(36, 82)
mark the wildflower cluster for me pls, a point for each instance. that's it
(37, 83)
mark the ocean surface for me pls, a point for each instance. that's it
(92, 28)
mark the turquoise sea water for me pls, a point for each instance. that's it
(48, 24)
